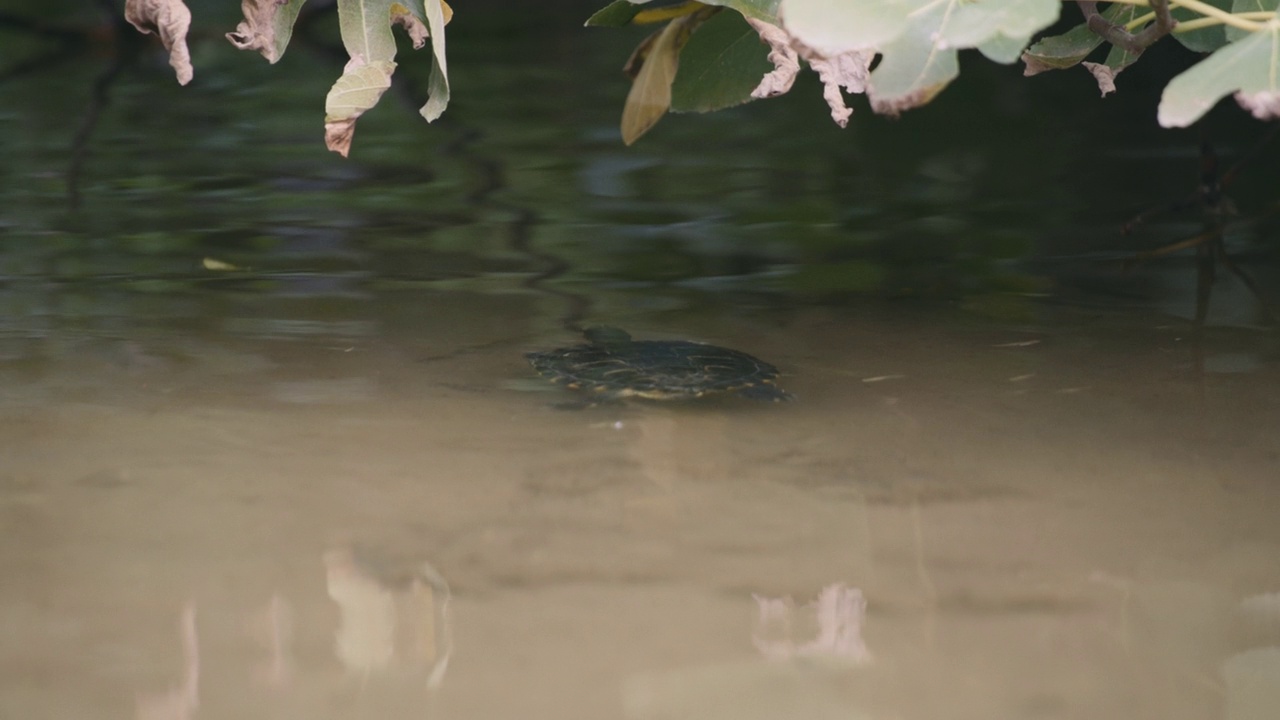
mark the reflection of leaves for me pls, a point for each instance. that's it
(267, 27)
(170, 19)
(1249, 67)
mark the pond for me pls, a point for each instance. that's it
(270, 445)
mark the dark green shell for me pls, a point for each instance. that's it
(612, 365)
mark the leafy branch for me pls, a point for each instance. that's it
(712, 54)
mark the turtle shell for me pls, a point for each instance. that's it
(611, 365)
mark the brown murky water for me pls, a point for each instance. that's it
(953, 521)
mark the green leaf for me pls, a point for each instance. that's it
(1205, 39)
(832, 27)
(1249, 66)
(914, 69)
(922, 61)
(1244, 6)
(366, 30)
(267, 27)
(438, 85)
(1002, 49)
(618, 13)
(1070, 48)
(720, 66)
(766, 10)
(358, 90)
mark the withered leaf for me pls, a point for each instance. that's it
(267, 26)
(658, 58)
(170, 19)
(411, 23)
(359, 89)
(1105, 76)
(848, 70)
(650, 94)
(1262, 105)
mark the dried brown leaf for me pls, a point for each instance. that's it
(849, 70)
(170, 19)
(896, 106)
(338, 135)
(1264, 105)
(650, 94)
(263, 29)
(1035, 66)
(1105, 75)
(786, 62)
(412, 25)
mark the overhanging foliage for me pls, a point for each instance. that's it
(709, 55)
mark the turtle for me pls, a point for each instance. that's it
(611, 366)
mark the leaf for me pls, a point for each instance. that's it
(1003, 49)
(412, 24)
(915, 67)
(640, 12)
(219, 265)
(1205, 39)
(650, 94)
(1244, 6)
(970, 23)
(366, 30)
(1249, 67)
(719, 66)
(267, 26)
(848, 70)
(438, 15)
(618, 13)
(170, 19)
(831, 27)
(922, 61)
(1059, 52)
(366, 34)
(1117, 60)
(1070, 48)
(356, 91)
(1263, 105)
(766, 10)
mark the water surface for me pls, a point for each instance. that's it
(1016, 481)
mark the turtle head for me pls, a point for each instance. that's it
(606, 336)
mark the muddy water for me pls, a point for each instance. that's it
(956, 519)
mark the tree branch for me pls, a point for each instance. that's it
(1121, 38)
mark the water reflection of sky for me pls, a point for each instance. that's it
(269, 446)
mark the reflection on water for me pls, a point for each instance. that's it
(1066, 520)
